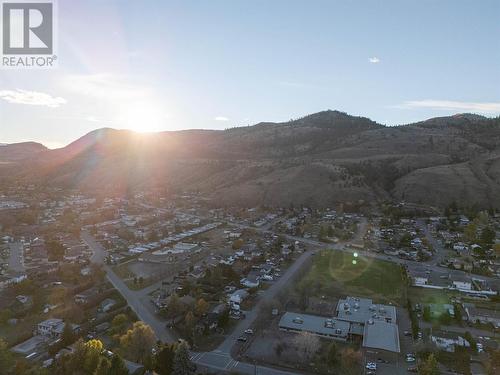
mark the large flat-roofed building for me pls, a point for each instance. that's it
(320, 326)
(378, 334)
(356, 319)
(360, 310)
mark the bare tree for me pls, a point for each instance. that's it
(307, 344)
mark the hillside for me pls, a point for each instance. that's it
(320, 159)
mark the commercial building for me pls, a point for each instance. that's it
(355, 319)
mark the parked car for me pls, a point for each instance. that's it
(249, 331)
(371, 366)
(242, 339)
(410, 358)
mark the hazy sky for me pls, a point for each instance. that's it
(167, 65)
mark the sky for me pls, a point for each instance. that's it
(169, 65)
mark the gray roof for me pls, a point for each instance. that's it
(314, 324)
(381, 335)
(360, 310)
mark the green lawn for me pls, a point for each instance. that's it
(336, 273)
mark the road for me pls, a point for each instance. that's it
(220, 358)
(137, 300)
(16, 257)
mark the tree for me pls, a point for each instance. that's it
(103, 367)
(137, 342)
(55, 250)
(457, 311)
(67, 336)
(307, 343)
(470, 232)
(351, 361)
(470, 340)
(117, 366)
(164, 359)
(332, 354)
(189, 321)
(429, 366)
(174, 305)
(496, 247)
(6, 360)
(201, 307)
(487, 237)
(237, 244)
(427, 314)
(92, 356)
(119, 323)
(182, 363)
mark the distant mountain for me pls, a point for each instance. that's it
(19, 151)
(318, 160)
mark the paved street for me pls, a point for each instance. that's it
(137, 300)
(220, 359)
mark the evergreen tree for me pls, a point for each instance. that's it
(164, 359)
(117, 366)
(182, 363)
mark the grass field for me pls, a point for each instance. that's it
(336, 273)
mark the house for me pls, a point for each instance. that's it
(236, 298)
(448, 340)
(286, 250)
(266, 269)
(133, 368)
(419, 278)
(252, 280)
(22, 299)
(107, 304)
(461, 285)
(460, 247)
(6, 281)
(85, 296)
(184, 247)
(53, 328)
(197, 272)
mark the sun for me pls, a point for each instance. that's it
(142, 117)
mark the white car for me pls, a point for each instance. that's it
(249, 331)
(371, 366)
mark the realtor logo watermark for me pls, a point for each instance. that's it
(28, 34)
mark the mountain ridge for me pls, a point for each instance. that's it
(323, 158)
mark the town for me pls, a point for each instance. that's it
(151, 281)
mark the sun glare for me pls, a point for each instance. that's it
(143, 117)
